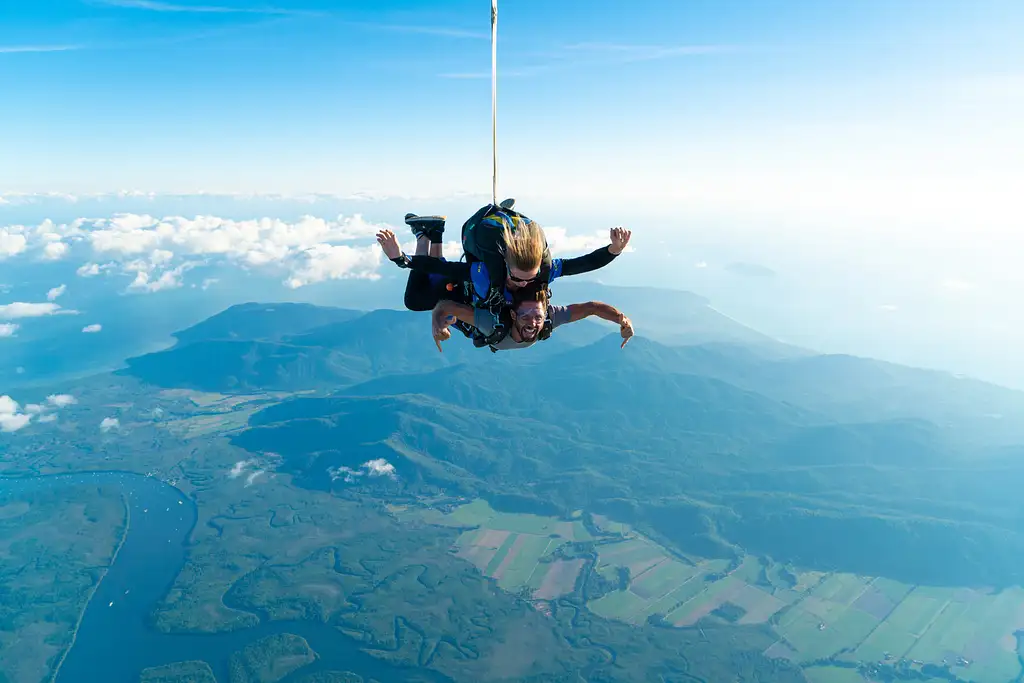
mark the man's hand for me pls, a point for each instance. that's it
(443, 335)
(620, 238)
(440, 319)
(626, 329)
(389, 243)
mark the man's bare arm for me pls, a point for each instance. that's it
(446, 308)
(604, 311)
(595, 308)
(441, 317)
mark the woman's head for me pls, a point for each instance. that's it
(524, 251)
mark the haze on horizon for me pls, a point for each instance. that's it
(844, 177)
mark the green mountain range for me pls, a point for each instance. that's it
(727, 443)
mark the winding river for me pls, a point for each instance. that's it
(115, 641)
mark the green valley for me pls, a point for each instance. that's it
(707, 512)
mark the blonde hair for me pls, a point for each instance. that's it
(524, 248)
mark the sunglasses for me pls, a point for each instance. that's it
(519, 280)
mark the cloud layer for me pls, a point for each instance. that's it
(155, 254)
(14, 417)
(21, 309)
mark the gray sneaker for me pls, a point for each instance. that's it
(426, 226)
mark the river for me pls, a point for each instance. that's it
(115, 641)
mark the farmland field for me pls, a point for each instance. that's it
(515, 549)
(834, 624)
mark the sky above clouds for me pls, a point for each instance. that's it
(873, 107)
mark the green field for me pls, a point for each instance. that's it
(511, 548)
(479, 513)
(855, 619)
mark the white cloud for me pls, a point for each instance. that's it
(54, 251)
(700, 264)
(451, 250)
(11, 417)
(56, 292)
(8, 329)
(61, 400)
(380, 468)
(372, 468)
(159, 6)
(11, 243)
(331, 262)
(157, 253)
(20, 309)
(169, 279)
(91, 329)
(562, 244)
(238, 468)
(109, 423)
(889, 307)
(19, 49)
(307, 250)
(93, 269)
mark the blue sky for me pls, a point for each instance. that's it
(240, 95)
(869, 152)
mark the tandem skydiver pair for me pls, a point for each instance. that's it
(499, 296)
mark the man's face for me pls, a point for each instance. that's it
(528, 319)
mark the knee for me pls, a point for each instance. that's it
(416, 303)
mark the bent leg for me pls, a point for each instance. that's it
(420, 292)
(417, 288)
(423, 291)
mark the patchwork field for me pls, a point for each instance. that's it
(515, 549)
(854, 622)
(215, 413)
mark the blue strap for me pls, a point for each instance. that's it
(556, 269)
(481, 280)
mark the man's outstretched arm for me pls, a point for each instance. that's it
(605, 312)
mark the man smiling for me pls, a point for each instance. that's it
(529, 319)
